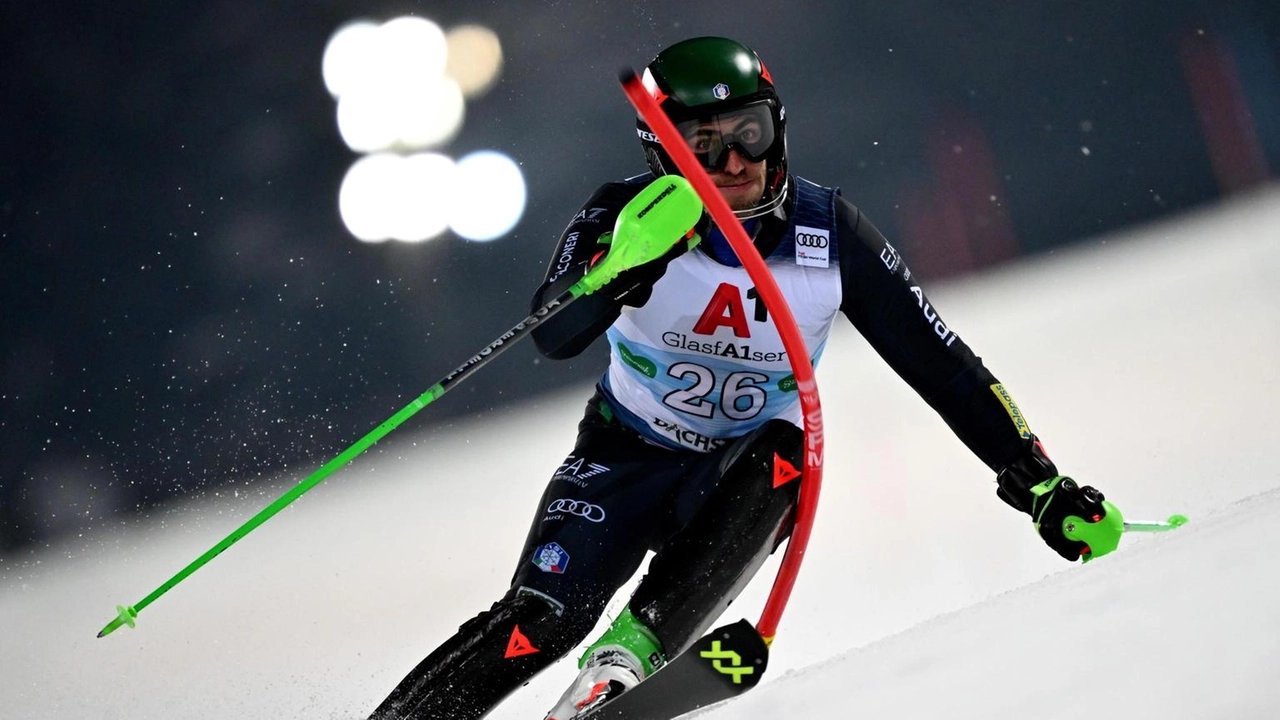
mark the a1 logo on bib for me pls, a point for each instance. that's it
(813, 247)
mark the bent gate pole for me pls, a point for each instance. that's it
(811, 483)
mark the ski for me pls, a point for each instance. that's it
(722, 664)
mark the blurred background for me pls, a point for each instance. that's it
(236, 236)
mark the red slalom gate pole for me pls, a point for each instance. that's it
(771, 295)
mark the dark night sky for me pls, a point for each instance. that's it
(182, 306)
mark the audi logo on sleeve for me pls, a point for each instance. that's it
(584, 510)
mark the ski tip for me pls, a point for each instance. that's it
(626, 75)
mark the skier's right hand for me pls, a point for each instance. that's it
(634, 285)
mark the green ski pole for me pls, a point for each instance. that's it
(1173, 523)
(648, 227)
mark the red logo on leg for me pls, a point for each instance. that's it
(519, 645)
(783, 471)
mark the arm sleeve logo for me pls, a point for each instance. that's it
(1011, 407)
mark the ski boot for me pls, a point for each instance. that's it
(627, 653)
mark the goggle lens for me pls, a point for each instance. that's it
(749, 130)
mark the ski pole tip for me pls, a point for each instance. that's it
(125, 615)
(626, 75)
(1177, 520)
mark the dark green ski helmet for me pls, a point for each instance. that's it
(705, 78)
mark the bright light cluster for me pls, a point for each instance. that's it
(386, 196)
(401, 89)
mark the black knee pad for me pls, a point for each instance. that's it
(488, 658)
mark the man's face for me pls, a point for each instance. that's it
(724, 145)
(741, 181)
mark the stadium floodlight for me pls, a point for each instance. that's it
(475, 58)
(491, 196)
(386, 196)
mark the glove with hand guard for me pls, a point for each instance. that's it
(1076, 522)
(634, 286)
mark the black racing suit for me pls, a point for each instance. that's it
(711, 517)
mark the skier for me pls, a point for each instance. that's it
(691, 443)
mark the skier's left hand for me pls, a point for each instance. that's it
(1064, 513)
(1061, 508)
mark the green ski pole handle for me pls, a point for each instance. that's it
(647, 228)
(1101, 535)
(635, 240)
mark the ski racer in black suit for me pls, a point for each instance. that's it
(691, 444)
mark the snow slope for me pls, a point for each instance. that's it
(1181, 628)
(1146, 362)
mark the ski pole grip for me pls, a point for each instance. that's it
(647, 228)
(1102, 536)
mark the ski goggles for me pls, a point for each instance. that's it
(747, 129)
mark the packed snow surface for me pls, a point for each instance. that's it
(1146, 361)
